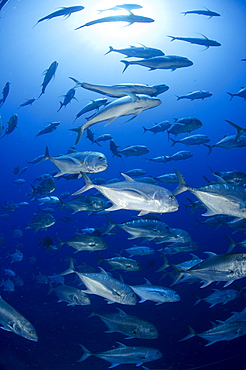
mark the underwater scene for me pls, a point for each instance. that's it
(123, 185)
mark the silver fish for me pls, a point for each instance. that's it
(87, 243)
(199, 94)
(196, 40)
(130, 19)
(125, 355)
(131, 326)
(73, 296)
(124, 106)
(241, 94)
(164, 62)
(205, 11)
(77, 162)
(11, 320)
(133, 195)
(64, 11)
(137, 52)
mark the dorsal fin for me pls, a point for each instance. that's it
(126, 177)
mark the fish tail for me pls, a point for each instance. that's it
(110, 50)
(46, 154)
(178, 97)
(239, 129)
(182, 183)
(198, 300)
(126, 65)
(86, 354)
(172, 38)
(88, 185)
(191, 335)
(78, 84)
(231, 95)
(145, 129)
(183, 13)
(111, 225)
(60, 243)
(210, 147)
(42, 92)
(173, 141)
(79, 131)
(70, 269)
(61, 105)
(232, 243)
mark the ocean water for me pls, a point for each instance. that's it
(26, 52)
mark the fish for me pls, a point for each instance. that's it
(2, 3)
(12, 124)
(226, 331)
(197, 139)
(130, 19)
(127, 105)
(228, 142)
(137, 52)
(5, 93)
(226, 267)
(11, 320)
(104, 285)
(164, 62)
(45, 186)
(85, 203)
(139, 251)
(178, 156)
(167, 178)
(237, 177)
(41, 221)
(50, 128)
(19, 181)
(131, 326)
(135, 172)
(196, 40)
(64, 11)
(122, 263)
(206, 11)
(8, 286)
(77, 162)
(27, 102)
(134, 195)
(127, 7)
(124, 355)
(72, 296)
(17, 256)
(147, 228)
(186, 124)
(89, 243)
(199, 94)
(94, 104)
(48, 200)
(48, 75)
(114, 148)
(241, 94)
(158, 127)
(120, 90)
(218, 198)
(103, 137)
(134, 150)
(70, 95)
(155, 293)
(219, 296)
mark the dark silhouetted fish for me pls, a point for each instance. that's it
(65, 11)
(48, 75)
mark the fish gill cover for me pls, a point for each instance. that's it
(106, 178)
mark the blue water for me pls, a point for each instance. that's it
(26, 52)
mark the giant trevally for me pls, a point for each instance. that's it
(158, 294)
(104, 285)
(65, 11)
(94, 104)
(197, 139)
(163, 62)
(119, 90)
(48, 75)
(130, 19)
(131, 326)
(27, 102)
(125, 355)
(241, 93)
(122, 263)
(87, 243)
(77, 162)
(68, 97)
(223, 331)
(197, 40)
(71, 295)
(218, 198)
(226, 267)
(134, 150)
(12, 124)
(41, 221)
(158, 127)
(51, 127)
(185, 124)
(134, 195)
(219, 296)
(124, 106)
(200, 94)
(127, 7)
(138, 52)
(11, 320)
(5, 93)
(205, 11)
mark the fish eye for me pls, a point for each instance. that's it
(171, 197)
(100, 158)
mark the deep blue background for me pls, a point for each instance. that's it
(25, 53)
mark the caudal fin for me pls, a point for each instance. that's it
(231, 95)
(86, 354)
(239, 129)
(88, 185)
(126, 65)
(110, 50)
(172, 38)
(79, 131)
(191, 335)
(182, 184)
